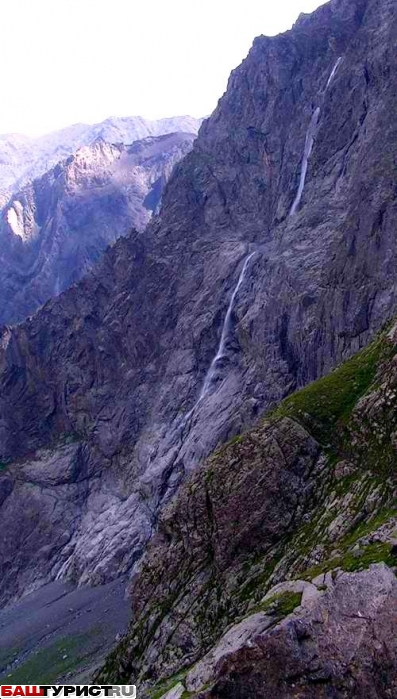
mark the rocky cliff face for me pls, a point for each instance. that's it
(119, 365)
(23, 159)
(272, 571)
(53, 231)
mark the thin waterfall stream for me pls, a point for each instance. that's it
(226, 328)
(334, 69)
(221, 353)
(309, 141)
(311, 132)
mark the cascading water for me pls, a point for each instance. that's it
(311, 132)
(334, 69)
(221, 353)
(310, 136)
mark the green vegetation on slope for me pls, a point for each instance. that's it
(328, 402)
(52, 662)
(345, 505)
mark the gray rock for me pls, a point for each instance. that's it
(324, 580)
(174, 693)
(120, 359)
(288, 586)
(344, 645)
(239, 636)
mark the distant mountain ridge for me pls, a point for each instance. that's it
(56, 227)
(23, 159)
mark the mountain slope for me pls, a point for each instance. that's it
(280, 519)
(53, 231)
(180, 338)
(23, 159)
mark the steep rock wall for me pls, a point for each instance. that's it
(120, 360)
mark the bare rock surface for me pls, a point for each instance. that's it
(239, 636)
(176, 692)
(272, 261)
(265, 533)
(343, 647)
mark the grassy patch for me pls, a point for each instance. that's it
(7, 656)
(278, 606)
(281, 604)
(351, 561)
(51, 662)
(235, 440)
(369, 526)
(373, 553)
(330, 400)
(166, 685)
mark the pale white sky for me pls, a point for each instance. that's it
(69, 61)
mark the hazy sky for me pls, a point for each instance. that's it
(68, 61)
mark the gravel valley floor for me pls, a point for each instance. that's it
(59, 634)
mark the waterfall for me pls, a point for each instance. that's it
(311, 132)
(334, 69)
(221, 353)
(310, 135)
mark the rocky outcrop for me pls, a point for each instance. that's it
(23, 159)
(251, 584)
(120, 360)
(339, 641)
(57, 227)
